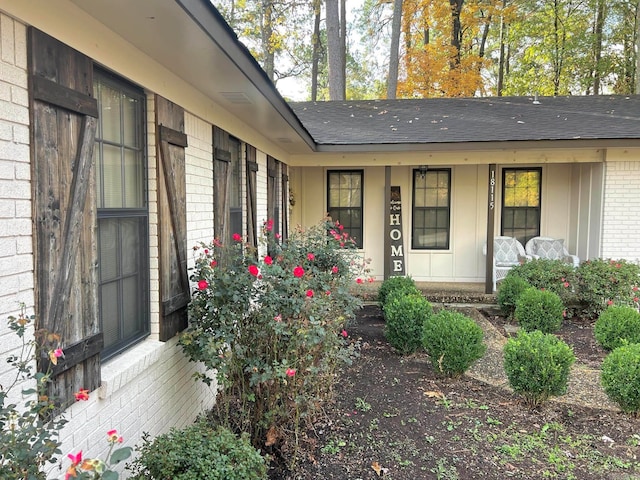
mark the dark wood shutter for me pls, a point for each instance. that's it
(221, 180)
(285, 202)
(272, 189)
(172, 218)
(63, 131)
(252, 204)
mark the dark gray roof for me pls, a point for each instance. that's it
(462, 120)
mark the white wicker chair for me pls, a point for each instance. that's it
(550, 249)
(507, 253)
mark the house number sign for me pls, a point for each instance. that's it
(395, 232)
(492, 188)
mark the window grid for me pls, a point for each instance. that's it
(122, 213)
(521, 195)
(345, 201)
(431, 209)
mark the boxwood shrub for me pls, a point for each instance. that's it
(395, 283)
(539, 310)
(198, 452)
(453, 342)
(404, 314)
(620, 376)
(537, 365)
(617, 326)
(509, 291)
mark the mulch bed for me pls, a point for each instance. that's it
(393, 417)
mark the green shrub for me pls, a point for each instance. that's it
(537, 365)
(394, 283)
(617, 326)
(620, 377)
(539, 310)
(607, 282)
(509, 291)
(404, 316)
(271, 330)
(552, 275)
(453, 342)
(198, 452)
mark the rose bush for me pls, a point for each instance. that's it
(269, 326)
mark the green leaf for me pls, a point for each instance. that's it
(119, 455)
(110, 474)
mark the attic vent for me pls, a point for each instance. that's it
(236, 97)
(284, 140)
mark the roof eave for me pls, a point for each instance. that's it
(479, 146)
(207, 17)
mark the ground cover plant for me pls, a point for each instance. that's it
(394, 417)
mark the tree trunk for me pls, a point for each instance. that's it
(267, 32)
(336, 81)
(501, 61)
(343, 46)
(315, 56)
(636, 88)
(456, 30)
(597, 47)
(392, 79)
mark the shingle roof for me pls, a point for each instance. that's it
(456, 120)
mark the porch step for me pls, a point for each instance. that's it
(440, 293)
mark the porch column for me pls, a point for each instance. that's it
(491, 211)
(387, 227)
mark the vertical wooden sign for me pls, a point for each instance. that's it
(396, 259)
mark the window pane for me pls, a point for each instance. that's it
(133, 179)
(130, 306)
(112, 177)
(108, 241)
(130, 242)
(131, 122)
(110, 114)
(109, 315)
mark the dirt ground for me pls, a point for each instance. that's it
(394, 418)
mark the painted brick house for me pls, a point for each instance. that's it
(130, 131)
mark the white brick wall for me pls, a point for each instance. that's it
(261, 196)
(16, 251)
(148, 387)
(621, 228)
(199, 176)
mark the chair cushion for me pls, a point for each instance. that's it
(506, 252)
(550, 249)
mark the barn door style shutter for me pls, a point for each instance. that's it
(252, 204)
(285, 202)
(221, 180)
(63, 131)
(172, 218)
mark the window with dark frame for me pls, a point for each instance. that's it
(235, 188)
(521, 194)
(123, 214)
(431, 209)
(345, 201)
